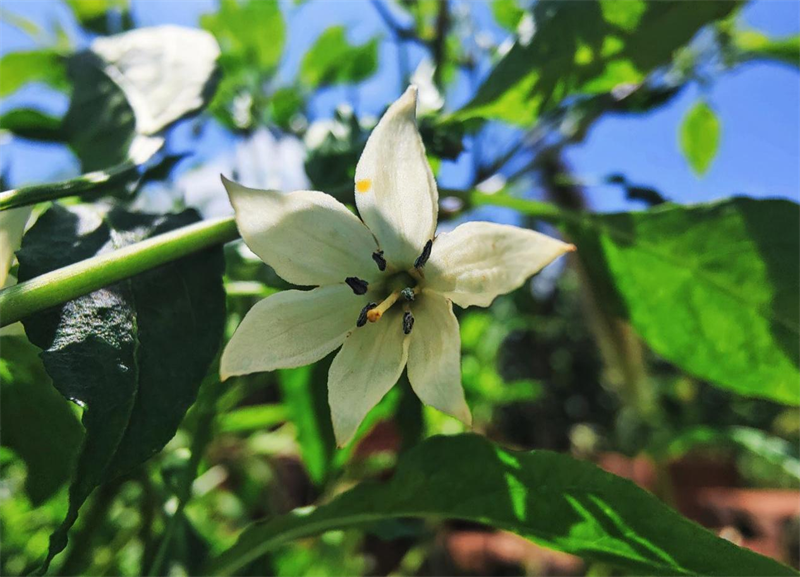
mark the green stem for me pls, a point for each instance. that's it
(98, 182)
(537, 209)
(64, 284)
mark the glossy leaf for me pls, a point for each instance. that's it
(132, 354)
(547, 497)
(19, 68)
(333, 60)
(699, 137)
(586, 48)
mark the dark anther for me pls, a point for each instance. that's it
(426, 254)
(359, 286)
(408, 322)
(377, 256)
(362, 316)
(407, 293)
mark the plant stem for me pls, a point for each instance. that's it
(64, 284)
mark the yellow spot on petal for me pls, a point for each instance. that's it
(363, 185)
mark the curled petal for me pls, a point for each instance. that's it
(308, 237)
(478, 261)
(291, 329)
(369, 364)
(434, 356)
(395, 189)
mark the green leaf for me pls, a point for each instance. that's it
(94, 14)
(754, 45)
(44, 65)
(772, 450)
(507, 13)
(333, 60)
(699, 137)
(586, 48)
(132, 354)
(37, 423)
(32, 124)
(712, 288)
(550, 498)
(116, 104)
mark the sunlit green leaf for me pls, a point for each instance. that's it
(586, 48)
(333, 60)
(507, 13)
(97, 15)
(19, 68)
(37, 423)
(754, 45)
(699, 137)
(132, 354)
(547, 497)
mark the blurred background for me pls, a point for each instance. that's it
(302, 84)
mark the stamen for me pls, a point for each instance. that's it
(408, 294)
(375, 314)
(426, 254)
(408, 322)
(362, 316)
(377, 256)
(359, 286)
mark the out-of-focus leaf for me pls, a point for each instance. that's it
(754, 45)
(44, 65)
(333, 60)
(37, 423)
(32, 124)
(284, 104)
(507, 13)
(95, 15)
(772, 450)
(712, 288)
(134, 353)
(305, 396)
(12, 226)
(547, 497)
(136, 84)
(586, 48)
(333, 151)
(699, 137)
(253, 418)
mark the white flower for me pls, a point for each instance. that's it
(385, 286)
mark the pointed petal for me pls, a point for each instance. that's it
(308, 237)
(291, 329)
(434, 356)
(12, 227)
(480, 260)
(395, 190)
(369, 364)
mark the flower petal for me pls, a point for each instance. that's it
(480, 260)
(395, 189)
(308, 237)
(291, 329)
(434, 356)
(12, 227)
(369, 364)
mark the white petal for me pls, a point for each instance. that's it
(12, 226)
(291, 329)
(480, 260)
(308, 237)
(369, 364)
(434, 356)
(395, 190)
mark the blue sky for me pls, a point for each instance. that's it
(759, 106)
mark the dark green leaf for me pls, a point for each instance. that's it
(37, 423)
(32, 124)
(699, 137)
(19, 68)
(132, 354)
(333, 60)
(587, 48)
(547, 497)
